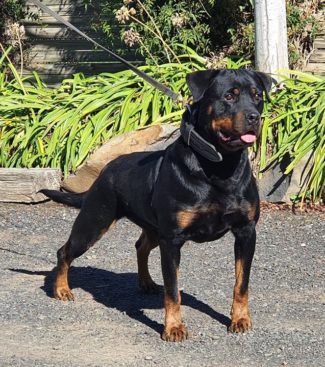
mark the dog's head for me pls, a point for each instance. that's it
(229, 105)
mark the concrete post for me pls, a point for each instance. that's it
(271, 42)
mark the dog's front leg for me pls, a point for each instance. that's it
(245, 240)
(174, 330)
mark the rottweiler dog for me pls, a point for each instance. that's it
(198, 189)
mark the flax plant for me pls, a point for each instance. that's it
(294, 127)
(43, 127)
(58, 128)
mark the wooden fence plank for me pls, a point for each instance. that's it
(61, 2)
(318, 57)
(46, 32)
(319, 43)
(68, 9)
(71, 56)
(86, 68)
(38, 44)
(56, 52)
(72, 18)
(317, 68)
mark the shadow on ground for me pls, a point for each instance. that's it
(120, 291)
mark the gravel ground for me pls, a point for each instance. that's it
(112, 323)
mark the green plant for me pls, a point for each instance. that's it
(231, 25)
(43, 127)
(294, 127)
(12, 33)
(11, 9)
(155, 29)
(303, 22)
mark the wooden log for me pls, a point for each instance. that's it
(151, 138)
(21, 185)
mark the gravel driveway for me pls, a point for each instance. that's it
(112, 323)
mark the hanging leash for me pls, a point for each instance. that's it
(190, 136)
(174, 96)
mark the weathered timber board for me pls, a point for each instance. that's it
(21, 185)
(316, 68)
(316, 57)
(66, 46)
(70, 55)
(319, 44)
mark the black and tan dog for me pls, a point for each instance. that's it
(198, 189)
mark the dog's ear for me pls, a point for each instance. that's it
(266, 81)
(199, 82)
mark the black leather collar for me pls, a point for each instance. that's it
(194, 140)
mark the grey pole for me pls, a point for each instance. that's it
(271, 42)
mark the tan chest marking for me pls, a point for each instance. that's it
(188, 216)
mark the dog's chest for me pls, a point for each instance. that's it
(209, 222)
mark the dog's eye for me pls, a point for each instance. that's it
(257, 96)
(229, 97)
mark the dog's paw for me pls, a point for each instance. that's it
(63, 294)
(240, 325)
(150, 287)
(175, 334)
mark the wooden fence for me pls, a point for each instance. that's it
(317, 61)
(56, 52)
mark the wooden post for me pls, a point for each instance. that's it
(271, 41)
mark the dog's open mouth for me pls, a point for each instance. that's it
(231, 139)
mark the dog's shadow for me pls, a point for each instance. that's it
(120, 291)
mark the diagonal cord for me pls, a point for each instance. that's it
(174, 96)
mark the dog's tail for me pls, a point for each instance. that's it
(70, 199)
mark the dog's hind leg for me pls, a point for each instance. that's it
(144, 245)
(94, 219)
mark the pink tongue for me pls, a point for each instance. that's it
(248, 138)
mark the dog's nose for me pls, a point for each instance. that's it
(253, 118)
